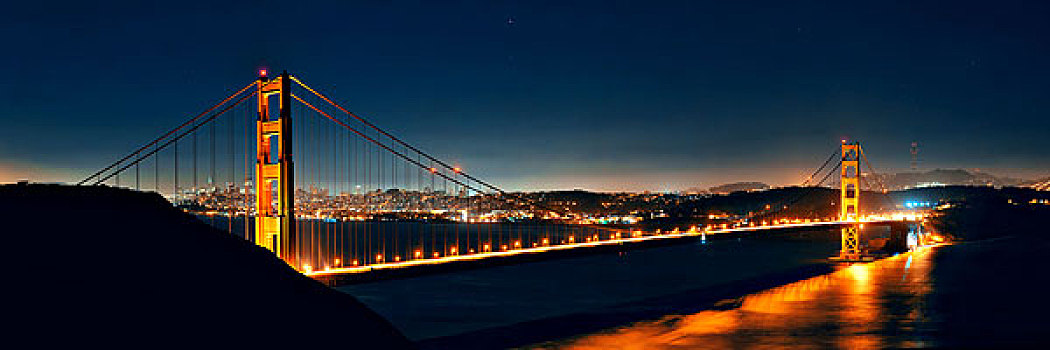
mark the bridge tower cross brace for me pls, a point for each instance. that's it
(274, 182)
(849, 200)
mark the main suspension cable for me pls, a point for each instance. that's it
(377, 143)
(826, 162)
(162, 137)
(174, 139)
(871, 170)
(433, 159)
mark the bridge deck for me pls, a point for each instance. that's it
(569, 246)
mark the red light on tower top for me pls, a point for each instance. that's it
(262, 73)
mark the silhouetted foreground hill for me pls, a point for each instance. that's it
(97, 266)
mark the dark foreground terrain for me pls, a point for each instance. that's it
(99, 267)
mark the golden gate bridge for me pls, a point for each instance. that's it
(331, 193)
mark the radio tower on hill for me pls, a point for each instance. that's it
(914, 156)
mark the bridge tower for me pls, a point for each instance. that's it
(850, 200)
(274, 189)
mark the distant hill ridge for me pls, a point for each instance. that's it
(959, 177)
(1042, 185)
(737, 187)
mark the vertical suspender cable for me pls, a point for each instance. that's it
(230, 173)
(156, 170)
(175, 184)
(194, 149)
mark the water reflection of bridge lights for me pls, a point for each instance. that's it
(859, 272)
(847, 308)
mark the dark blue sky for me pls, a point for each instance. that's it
(598, 95)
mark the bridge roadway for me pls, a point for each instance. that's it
(333, 274)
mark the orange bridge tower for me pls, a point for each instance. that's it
(849, 200)
(274, 189)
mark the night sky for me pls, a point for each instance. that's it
(549, 95)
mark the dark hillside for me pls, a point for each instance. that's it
(97, 266)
